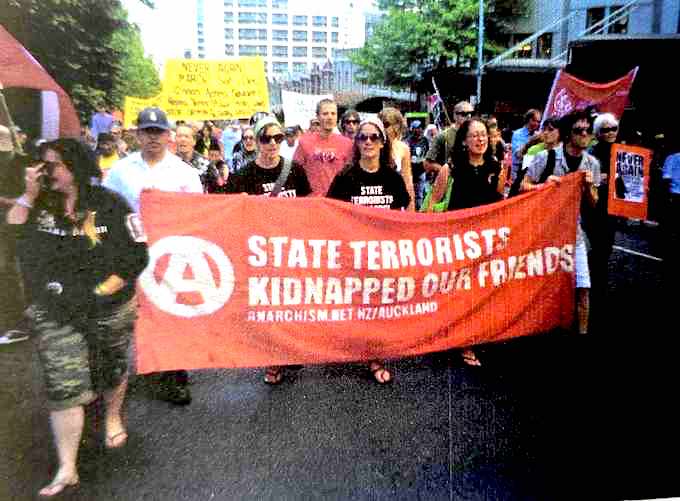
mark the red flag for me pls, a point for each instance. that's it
(18, 68)
(569, 93)
(317, 280)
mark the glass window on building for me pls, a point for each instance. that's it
(299, 51)
(300, 20)
(228, 50)
(228, 17)
(319, 36)
(228, 33)
(334, 37)
(620, 26)
(335, 22)
(319, 52)
(526, 50)
(319, 20)
(300, 67)
(280, 67)
(247, 34)
(247, 50)
(261, 18)
(594, 16)
(229, 3)
(280, 51)
(261, 50)
(280, 35)
(247, 3)
(279, 18)
(261, 34)
(201, 40)
(544, 46)
(300, 36)
(246, 17)
(279, 4)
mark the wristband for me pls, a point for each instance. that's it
(23, 201)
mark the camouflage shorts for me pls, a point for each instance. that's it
(83, 356)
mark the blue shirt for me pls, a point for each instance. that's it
(132, 174)
(671, 170)
(520, 137)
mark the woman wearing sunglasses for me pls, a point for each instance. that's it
(601, 226)
(247, 152)
(81, 250)
(259, 177)
(371, 167)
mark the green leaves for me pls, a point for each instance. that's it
(87, 46)
(417, 35)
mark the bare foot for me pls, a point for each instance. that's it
(380, 373)
(61, 481)
(116, 435)
(470, 358)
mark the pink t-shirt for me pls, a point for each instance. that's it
(322, 159)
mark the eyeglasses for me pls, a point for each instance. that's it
(581, 130)
(351, 121)
(467, 114)
(549, 128)
(604, 130)
(362, 138)
(267, 139)
(249, 138)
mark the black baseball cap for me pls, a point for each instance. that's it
(152, 118)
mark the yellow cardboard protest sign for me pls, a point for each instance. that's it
(197, 89)
(133, 105)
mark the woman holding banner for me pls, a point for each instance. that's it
(477, 179)
(372, 166)
(272, 176)
(81, 250)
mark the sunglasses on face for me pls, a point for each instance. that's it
(352, 121)
(467, 114)
(249, 138)
(581, 130)
(266, 139)
(604, 130)
(362, 138)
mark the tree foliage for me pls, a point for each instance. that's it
(417, 35)
(87, 46)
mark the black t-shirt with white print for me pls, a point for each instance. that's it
(384, 188)
(255, 180)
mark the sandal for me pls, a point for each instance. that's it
(116, 441)
(273, 375)
(380, 373)
(470, 358)
(56, 487)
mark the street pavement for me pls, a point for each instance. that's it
(551, 416)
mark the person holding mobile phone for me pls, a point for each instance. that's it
(81, 248)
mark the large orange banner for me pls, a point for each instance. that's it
(242, 281)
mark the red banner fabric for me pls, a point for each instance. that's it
(242, 281)
(569, 93)
(18, 68)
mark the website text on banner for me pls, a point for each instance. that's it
(203, 89)
(568, 93)
(318, 280)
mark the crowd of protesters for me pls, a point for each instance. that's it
(70, 187)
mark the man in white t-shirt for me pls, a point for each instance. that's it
(154, 167)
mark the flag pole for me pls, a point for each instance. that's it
(436, 91)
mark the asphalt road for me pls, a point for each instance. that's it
(553, 416)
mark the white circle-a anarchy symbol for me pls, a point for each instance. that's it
(188, 252)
